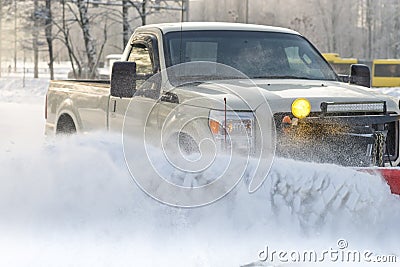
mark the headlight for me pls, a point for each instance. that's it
(237, 123)
(239, 129)
(301, 108)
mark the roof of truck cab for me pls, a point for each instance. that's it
(193, 26)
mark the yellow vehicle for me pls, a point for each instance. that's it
(341, 65)
(386, 73)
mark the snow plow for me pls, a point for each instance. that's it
(338, 134)
(391, 176)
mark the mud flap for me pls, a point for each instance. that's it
(391, 175)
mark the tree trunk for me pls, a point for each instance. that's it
(89, 42)
(71, 55)
(15, 35)
(369, 28)
(334, 17)
(49, 37)
(396, 51)
(143, 13)
(35, 35)
(325, 24)
(125, 23)
(1, 37)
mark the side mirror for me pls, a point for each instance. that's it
(360, 75)
(123, 79)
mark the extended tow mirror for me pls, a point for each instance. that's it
(360, 75)
(123, 79)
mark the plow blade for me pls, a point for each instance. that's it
(391, 175)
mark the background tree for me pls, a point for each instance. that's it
(49, 36)
(83, 21)
(1, 37)
(145, 8)
(35, 38)
(75, 15)
(126, 29)
(84, 31)
(369, 24)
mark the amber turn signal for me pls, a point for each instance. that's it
(214, 126)
(286, 120)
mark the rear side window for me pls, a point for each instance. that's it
(387, 70)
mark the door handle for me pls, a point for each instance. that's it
(114, 108)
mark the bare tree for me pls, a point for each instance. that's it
(303, 24)
(141, 9)
(75, 15)
(49, 37)
(15, 35)
(369, 24)
(66, 40)
(83, 21)
(330, 16)
(125, 22)
(361, 28)
(35, 39)
(29, 21)
(396, 29)
(1, 37)
(144, 8)
(2, 3)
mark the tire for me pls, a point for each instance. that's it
(65, 125)
(187, 144)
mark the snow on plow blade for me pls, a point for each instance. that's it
(391, 175)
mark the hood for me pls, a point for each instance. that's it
(250, 94)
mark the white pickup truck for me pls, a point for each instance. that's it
(317, 115)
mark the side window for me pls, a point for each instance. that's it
(147, 84)
(141, 55)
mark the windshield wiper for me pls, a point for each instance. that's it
(188, 83)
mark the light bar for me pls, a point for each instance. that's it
(342, 107)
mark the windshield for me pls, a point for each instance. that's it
(256, 54)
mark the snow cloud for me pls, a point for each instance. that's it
(72, 201)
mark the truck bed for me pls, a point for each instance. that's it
(88, 98)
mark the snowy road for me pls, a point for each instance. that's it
(22, 125)
(71, 202)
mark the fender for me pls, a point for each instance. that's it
(197, 128)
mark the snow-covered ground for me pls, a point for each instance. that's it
(71, 202)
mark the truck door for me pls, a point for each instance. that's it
(144, 52)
